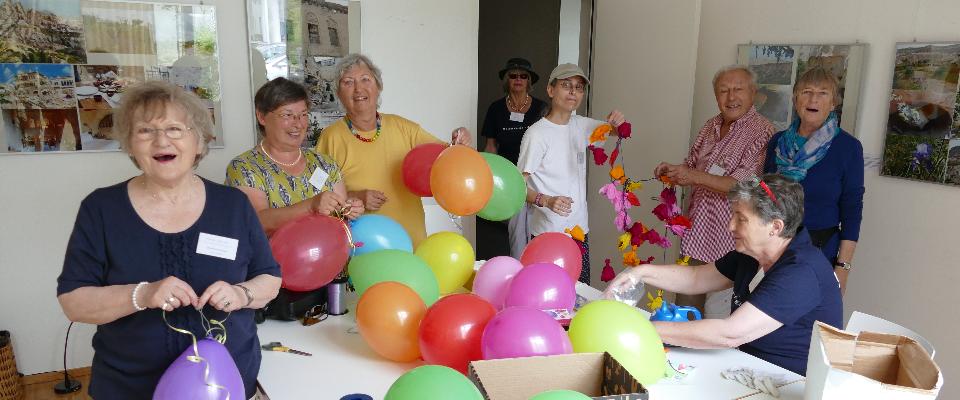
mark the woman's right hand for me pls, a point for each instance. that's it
(373, 199)
(327, 203)
(562, 205)
(167, 294)
(623, 282)
(661, 170)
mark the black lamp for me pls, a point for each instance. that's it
(68, 385)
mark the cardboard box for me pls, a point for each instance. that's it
(595, 374)
(868, 365)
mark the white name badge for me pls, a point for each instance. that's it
(516, 117)
(716, 170)
(217, 246)
(319, 178)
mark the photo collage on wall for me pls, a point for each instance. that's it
(923, 125)
(65, 64)
(301, 40)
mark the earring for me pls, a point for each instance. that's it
(772, 233)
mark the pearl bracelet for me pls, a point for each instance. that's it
(133, 296)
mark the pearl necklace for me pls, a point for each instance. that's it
(526, 99)
(357, 134)
(264, 149)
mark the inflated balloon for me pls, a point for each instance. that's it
(461, 180)
(554, 248)
(560, 395)
(434, 382)
(311, 250)
(493, 279)
(621, 330)
(388, 318)
(184, 378)
(451, 258)
(450, 332)
(542, 286)
(394, 265)
(417, 165)
(523, 332)
(373, 232)
(509, 189)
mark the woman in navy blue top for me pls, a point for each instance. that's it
(165, 241)
(828, 162)
(771, 319)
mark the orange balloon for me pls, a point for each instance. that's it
(461, 180)
(388, 316)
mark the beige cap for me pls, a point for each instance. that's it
(564, 71)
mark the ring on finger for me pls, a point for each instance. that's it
(171, 300)
(226, 304)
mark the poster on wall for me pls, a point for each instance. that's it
(922, 125)
(778, 66)
(301, 40)
(65, 65)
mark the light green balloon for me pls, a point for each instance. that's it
(560, 395)
(613, 327)
(434, 382)
(509, 189)
(394, 265)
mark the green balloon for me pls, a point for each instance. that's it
(435, 382)
(613, 327)
(394, 265)
(560, 395)
(509, 189)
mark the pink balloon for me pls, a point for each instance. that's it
(311, 250)
(184, 378)
(493, 279)
(542, 286)
(554, 248)
(523, 332)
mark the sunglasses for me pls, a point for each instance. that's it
(519, 76)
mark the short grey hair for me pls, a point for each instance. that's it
(788, 206)
(818, 76)
(352, 60)
(736, 67)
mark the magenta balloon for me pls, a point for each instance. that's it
(493, 279)
(311, 250)
(183, 379)
(523, 332)
(554, 248)
(542, 286)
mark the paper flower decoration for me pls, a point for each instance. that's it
(630, 258)
(607, 274)
(624, 130)
(655, 302)
(576, 233)
(633, 186)
(616, 173)
(624, 241)
(600, 133)
(685, 260)
(599, 155)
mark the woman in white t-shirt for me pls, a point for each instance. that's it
(553, 159)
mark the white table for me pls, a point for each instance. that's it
(342, 364)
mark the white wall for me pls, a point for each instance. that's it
(905, 268)
(426, 49)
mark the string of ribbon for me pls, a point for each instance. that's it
(209, 326)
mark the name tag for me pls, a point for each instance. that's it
(319, 178)
(717, 170)
(581, 157)
(217, 246)
(516, 117)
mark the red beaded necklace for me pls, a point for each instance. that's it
(357, 134)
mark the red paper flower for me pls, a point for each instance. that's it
(599, 155)
(632, 198)
(607, 274)
(624, 130)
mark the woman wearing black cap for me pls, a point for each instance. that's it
(506, 121)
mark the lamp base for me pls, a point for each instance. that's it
(67, 386)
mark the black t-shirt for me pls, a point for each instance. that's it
(508, 134)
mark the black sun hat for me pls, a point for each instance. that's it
(520, 63)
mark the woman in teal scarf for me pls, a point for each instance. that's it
(828, 163)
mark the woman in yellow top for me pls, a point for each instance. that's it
(282, 180)
(370, 147)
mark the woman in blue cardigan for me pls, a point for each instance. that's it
(828, 163)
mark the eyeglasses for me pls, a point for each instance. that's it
(172, 132)
(570, 87)
(288, 117)
(519, 76)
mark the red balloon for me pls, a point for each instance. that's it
(450, 333)
(554, 248)
(311, 251)
(417, 165)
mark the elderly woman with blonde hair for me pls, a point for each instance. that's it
(165, 245)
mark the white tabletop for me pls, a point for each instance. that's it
(342, 364)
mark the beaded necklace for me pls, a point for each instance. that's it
(357, 134)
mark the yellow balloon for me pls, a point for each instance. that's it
(622, 331)
(451, 258)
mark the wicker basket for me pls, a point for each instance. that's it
(11, 385)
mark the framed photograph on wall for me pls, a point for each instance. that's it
(778, 66)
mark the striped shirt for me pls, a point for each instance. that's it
(739, 155)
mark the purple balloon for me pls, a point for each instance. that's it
(542, 286)
(523, 332)
(183, 379)
(493, 279)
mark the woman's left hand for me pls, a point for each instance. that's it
(461, 135)
(356, 208)
(616, 118)
(224, 297)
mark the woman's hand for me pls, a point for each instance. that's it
(373, 199)
(624, 281)
(616, 118)
(460, 135)
(223, 296)
(327, 203)
(167, 294)
(356, 208)
(562, 205)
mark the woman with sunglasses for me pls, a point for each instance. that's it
(504, 125)
(772, 313)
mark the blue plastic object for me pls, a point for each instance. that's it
(669, 312)
(378, 232)
(357, 396)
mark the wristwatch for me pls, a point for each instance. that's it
(843, 265)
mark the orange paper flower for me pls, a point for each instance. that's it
(576, 232)
(600, 134)
(630, 258)
(616, 173)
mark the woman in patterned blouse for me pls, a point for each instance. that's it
(283, 180)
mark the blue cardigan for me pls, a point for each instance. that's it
(832, 190)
